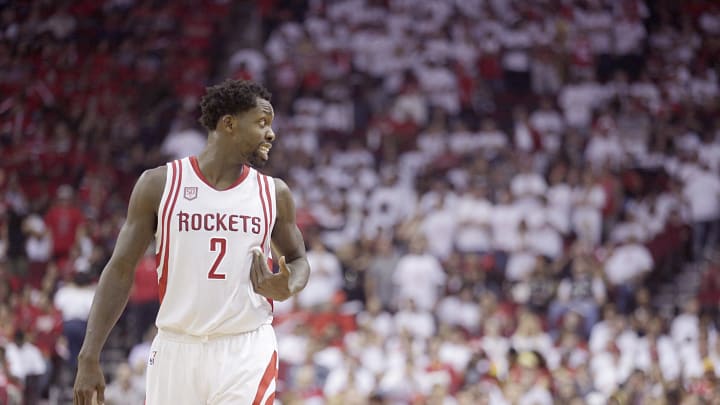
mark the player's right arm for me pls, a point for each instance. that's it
(116, 280)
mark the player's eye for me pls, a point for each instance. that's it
(263, 122)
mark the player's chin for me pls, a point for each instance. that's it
(258, 161)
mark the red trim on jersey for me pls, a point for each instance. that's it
(196, 169)
(269, 199)
(267, 222)
(265, 214)
(268, 376)
(159, 254)
(271, 399)
(269, 300)
(164, 275)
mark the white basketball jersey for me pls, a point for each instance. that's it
(203, 256)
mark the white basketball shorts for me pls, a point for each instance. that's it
(238, 369)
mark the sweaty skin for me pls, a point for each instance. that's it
(235, 142)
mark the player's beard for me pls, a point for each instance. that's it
(257, 161)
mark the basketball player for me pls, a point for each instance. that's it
(214, 219)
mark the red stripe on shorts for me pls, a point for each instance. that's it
(268, 376)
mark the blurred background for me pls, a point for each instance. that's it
(505, 202)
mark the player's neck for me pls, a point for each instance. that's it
(217, 167)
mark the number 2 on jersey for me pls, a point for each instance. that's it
(215, 244)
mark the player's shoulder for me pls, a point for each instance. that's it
(150, 185)
(281, 188)
(284, 198)
(154, 178)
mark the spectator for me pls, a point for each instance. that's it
(122, 389)
(182, 141)
(656, 350)
(143, 303)
(38, 249)
(27, 364)
(439, 227)
(413, 320)
(349, 376)
(461, 311)
(74, 300)
(380, 102)
(379, 278)
(625, 268)
(327, 280)
(63, 220)
(583, 292)
(702, 191)
(419, 276)
(10, 391)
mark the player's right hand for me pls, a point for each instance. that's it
(275, 286)
(89, 384)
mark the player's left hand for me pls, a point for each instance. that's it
(275, 286)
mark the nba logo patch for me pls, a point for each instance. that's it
(151, 361)
(190, 193)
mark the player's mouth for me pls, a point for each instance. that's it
(264, 150)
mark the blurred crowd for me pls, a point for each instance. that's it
(88, 92)
(499, 197)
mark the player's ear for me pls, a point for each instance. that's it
(227, 122)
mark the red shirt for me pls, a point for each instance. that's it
(455, 378)
(47, 327)
(63, 222)
(145, 286)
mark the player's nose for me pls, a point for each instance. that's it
(270, 135)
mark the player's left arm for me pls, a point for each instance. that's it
(288, 242)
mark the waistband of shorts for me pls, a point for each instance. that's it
(186, 338)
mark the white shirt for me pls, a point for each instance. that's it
(419, 277)
(456, 355)
(601, 334)
(390, 204)
(528, 184)
(710, 154)
(74, 302)
(381, 323)
(625, 230)
(439, 229)
(629, 36)
(39, 249)
(505, 221)
(520, 265)
(703, 193)
(547, 121)
(610, 372)
(541, 342)
(25, 360)
(626, 262)
(180, 144)
(454, 311)
(537, 395)
(668, 358)
(338, 380)
(326, 279)
(497, 348)
(411, 106)
(419, 323)
(603, 149)
(685, 328)
(545, 241)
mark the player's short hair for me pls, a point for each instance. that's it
(229, 97)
